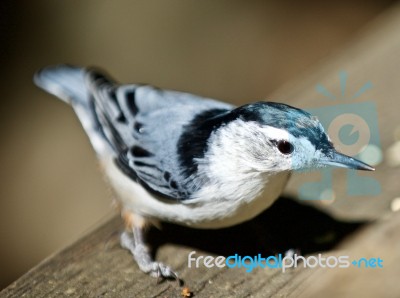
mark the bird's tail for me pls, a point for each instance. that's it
(64, 81)
(69, 84)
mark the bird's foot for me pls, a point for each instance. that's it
(142, 257)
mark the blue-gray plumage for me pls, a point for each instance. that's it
(182, 158)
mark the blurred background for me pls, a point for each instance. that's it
(51, 191)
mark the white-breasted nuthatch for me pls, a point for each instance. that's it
(184, 159)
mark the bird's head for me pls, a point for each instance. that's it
(274, 137)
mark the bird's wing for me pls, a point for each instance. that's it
(143, 124)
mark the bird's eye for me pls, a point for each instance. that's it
(285, 147)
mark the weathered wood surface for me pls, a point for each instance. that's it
(97, 266)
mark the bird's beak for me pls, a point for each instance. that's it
(340, 160)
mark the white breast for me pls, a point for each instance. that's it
(210, 210)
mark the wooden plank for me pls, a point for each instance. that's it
(97, 266)
(380, 240)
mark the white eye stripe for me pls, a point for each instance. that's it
(276, 133)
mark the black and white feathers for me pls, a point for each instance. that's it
(153, 134)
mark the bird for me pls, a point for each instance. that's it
(181, 158)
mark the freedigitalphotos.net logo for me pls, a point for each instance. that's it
(281, 262)
(353, 128)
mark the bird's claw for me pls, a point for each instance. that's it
(161, 271)
(142, 257)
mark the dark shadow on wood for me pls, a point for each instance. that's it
(286, 225)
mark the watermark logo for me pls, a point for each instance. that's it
(353, 128)
(281, 262)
